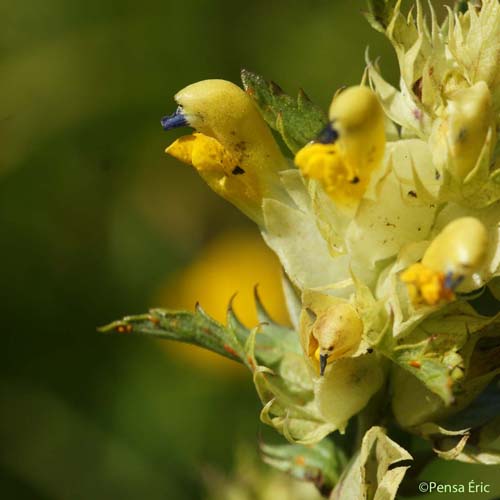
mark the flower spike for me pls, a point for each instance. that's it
(388, 233)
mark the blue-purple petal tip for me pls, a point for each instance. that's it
(174, 120)
(328, 135)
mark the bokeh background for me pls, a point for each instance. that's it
(97, 222)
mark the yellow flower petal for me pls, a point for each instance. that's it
(221, 170)
(204, 153)
(323, 162)
(426, 286)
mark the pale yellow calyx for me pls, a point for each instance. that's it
(335, 333)
(344, 166)
(457, 252)
(460, 134)
(220, 169)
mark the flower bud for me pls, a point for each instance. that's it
(459, 249)
(330, 333)
(456, 252)
(460, 134)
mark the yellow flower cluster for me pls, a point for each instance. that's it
(401, 187)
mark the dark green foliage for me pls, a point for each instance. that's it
(297, 119)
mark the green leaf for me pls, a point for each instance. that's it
(321, 464)
(233, 322)
(380, 13)
(376, 471)
(441, 353)
(198, 328)
(297, 119)
(455, 355)
(193, 328)
(271, 351)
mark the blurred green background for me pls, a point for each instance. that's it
(97, 222)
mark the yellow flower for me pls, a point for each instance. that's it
(335, 333)
(234, 150)
(460, 134)
(354, 149)
(457, 252)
